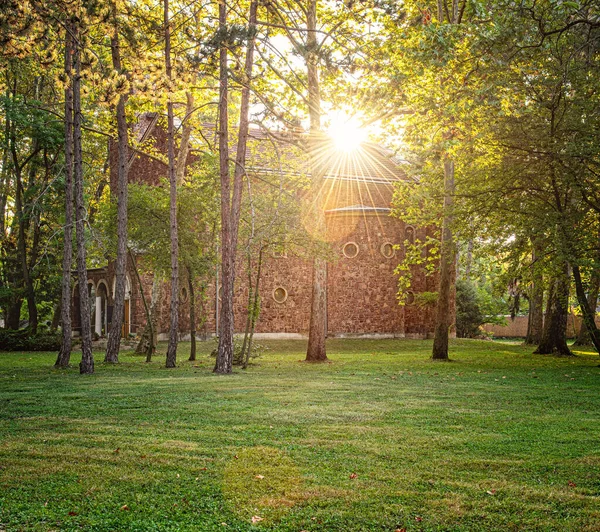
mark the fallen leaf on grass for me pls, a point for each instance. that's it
(418, 519)
(491, 492)
(400, 530)
(353, 476)
(116, 451)
(72, 513)
(572, 484)
(125, 508)
(259, 477)
(257, 519)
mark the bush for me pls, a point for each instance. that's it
(24, 340)
(469, 315)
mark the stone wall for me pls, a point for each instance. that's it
(361, 289)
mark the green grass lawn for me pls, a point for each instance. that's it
(379, 439)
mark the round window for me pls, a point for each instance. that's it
(387, 250)
(350, 250)
(280, 294)
(410, 298)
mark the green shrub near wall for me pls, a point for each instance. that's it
(24, 340)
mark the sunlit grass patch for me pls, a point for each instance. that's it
(262, 482)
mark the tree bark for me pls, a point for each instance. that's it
(148, 340)
(230, 207)
(114, 337)
(249, 310)
(87, 358)
(184, 145)
(174, 318)
(443, 310)
(255, 309)
(588, 313)
(64, 354)
(554, 337)
(192, 296)
(535, 321)
(317, 333)
(584, 338)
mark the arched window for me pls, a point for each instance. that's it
(409, 234)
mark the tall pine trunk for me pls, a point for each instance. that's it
(554, 337)
(87, 358)
(443, 309)
(148, 340)
(317, 332)
(231, 203)
(192, 295)
(174, 318)
(255, 311)
(114, 337)
(64, 355)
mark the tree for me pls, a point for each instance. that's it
(231, 199)
(64, 354)
(174, 321)
(86, 365)
(114, 337)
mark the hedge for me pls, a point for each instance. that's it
(24, 340)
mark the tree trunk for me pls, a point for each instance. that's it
(554, 337)
(224, 359)
(317, 333)
(13, 314)
(242, 355)
(64, 354)
(21, 240)
(443, 310)
(192, 314)
(230, 207)
(186, 133)
(535, 321)
(144, 302)
(148, 340)
(87, 358)
(469, 260)
(255, 309)
(174, 321)
(114, 337)
(584, 338)
(589, 313)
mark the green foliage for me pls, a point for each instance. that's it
(24, 340)
(421, 255)
(469, 315)
(475, 305)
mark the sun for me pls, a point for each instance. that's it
(346, 132)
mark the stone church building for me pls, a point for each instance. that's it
(366, 241)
